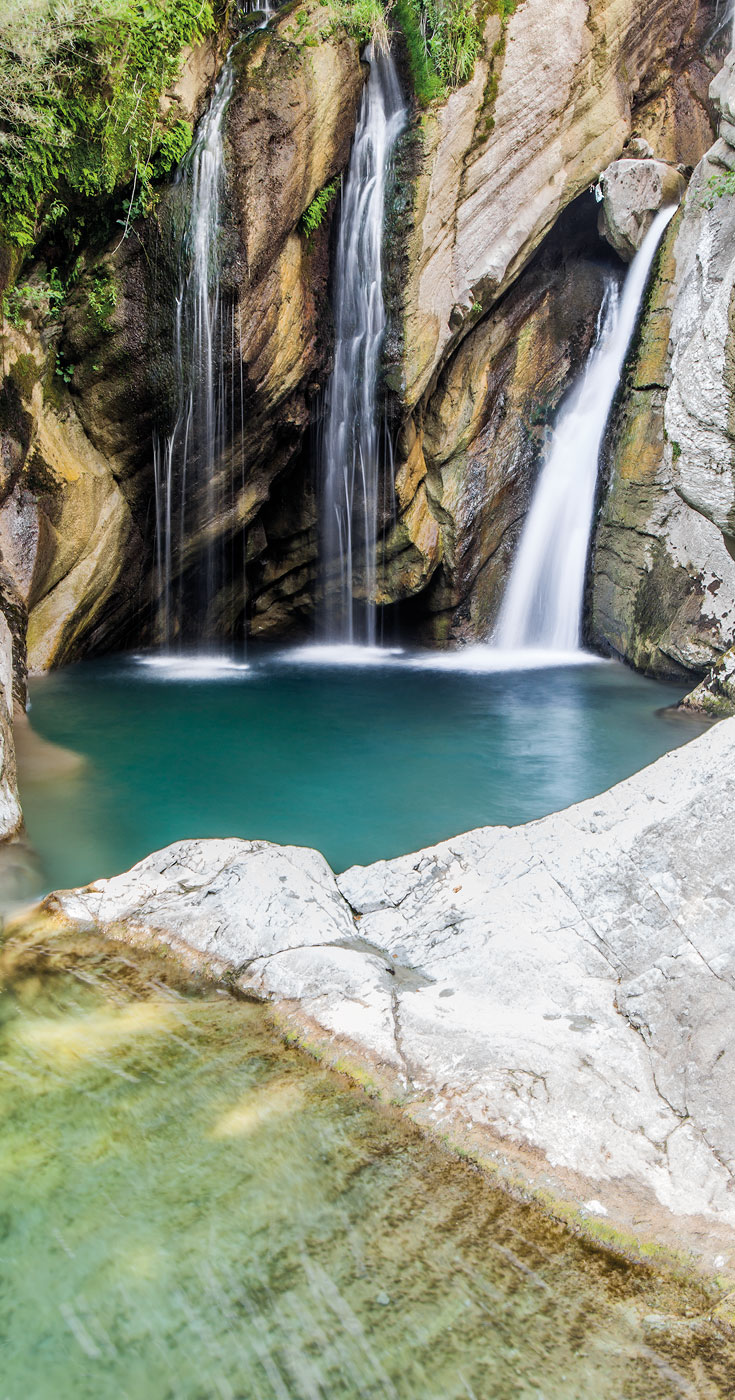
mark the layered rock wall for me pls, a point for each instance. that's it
(558, 93)
(663, 592)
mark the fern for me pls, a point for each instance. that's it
(313, 216)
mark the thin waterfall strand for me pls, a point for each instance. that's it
(351, 444)
(185, 460)
(542, 606)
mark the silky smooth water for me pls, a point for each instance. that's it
(544, 596)
(185, 459)
(354, 447)
(362, 761)
(193, 1211)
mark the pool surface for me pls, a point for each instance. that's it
(362, 761)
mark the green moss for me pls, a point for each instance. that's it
(427, 84)
(25, 374)
(717, 186)
(80, 87)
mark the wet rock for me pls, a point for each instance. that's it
(715, 695)
(465, 479)
(590, 956)
(663, 591)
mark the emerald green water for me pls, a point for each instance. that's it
(362, 762)
(190, 1209)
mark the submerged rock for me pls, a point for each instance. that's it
(565, 990)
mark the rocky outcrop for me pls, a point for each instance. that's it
(715, 695)
(561, 993)
(75, 447)
(664, 580)
(553, 101)
(631, 192)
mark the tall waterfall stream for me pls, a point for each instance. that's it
(185, 459)
(351, 445)
(542, 606)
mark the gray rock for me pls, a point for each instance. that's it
(633, 190)
(567, 986)
(699, 407)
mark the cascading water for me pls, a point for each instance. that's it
(185, 460)
(542, 606)
(351, 444)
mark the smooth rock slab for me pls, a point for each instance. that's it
(567, 986)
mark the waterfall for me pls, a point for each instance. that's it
(185, 460)
(543, 601)
(351, 443)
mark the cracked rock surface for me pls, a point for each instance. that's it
(567, 986)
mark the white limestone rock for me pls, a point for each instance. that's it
(568, 985)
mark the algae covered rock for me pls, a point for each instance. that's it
(715, 695)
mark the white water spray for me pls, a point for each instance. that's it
(543, 601)
(351, 446)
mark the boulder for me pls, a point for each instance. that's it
(632, 192)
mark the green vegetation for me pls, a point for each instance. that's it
(717, 186)
(443, 40)
(364, 20)
(312, 217)
(102, 300)
(45, 295)
(80, 88)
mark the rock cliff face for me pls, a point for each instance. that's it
(288, 133)
(559, 92)
(72, 550)
(664, 579)
(552, 103)
(10, 813)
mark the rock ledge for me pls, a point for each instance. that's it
(562, 992)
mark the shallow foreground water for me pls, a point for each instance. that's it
(361, 761)
(192, 1209)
